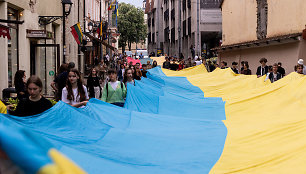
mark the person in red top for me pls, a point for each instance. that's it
(181, 65)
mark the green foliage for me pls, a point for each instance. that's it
(52, 101)
(13, 103)
(131, 25)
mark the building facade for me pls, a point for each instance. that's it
(36, 42)
(32, 47)
(270, 29)
(178, 25)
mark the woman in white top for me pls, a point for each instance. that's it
(75, 93)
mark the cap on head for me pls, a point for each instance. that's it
(301, 61)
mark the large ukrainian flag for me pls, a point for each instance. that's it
(242, 125)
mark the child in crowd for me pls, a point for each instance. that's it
(299, 68)
(114, 91)
(144, 70)
(274, 75)
(154, 64)
(19, 81)
(75, 93)
(246, 70)
(35, 103)
(93, 84)
(128, 77)
(234, 67)
(137, 73)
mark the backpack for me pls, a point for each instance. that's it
(107, 88)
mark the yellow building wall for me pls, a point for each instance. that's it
(239, 21)
(286, 17)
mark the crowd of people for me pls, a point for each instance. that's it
(108, 80)
(273, 72)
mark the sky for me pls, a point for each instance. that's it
(137, 3)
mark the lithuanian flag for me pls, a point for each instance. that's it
(77, 33)
(99, 29)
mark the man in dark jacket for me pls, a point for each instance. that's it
(274, 75)
(281, 70)
(166, 64)
(263, 69)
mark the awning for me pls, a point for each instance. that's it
(4, 31)
(100, 41)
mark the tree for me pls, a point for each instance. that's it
(131, 26)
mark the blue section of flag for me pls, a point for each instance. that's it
(167, 126)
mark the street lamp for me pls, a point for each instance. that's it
(66, 11)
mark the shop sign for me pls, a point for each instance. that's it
(39, 34)
(5, 32)
(211, 16)
(51, 73)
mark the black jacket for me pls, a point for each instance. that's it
(272, 79)
(91, 83)
(265, 70)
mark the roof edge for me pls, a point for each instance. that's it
(258, 42)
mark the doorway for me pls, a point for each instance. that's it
(45, 60)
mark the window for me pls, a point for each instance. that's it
(173, 14)
(153, 37)
(189, 3)
(189, 26)
(166, 34)
(166, 15)
(149, 37)
(207, 4)
(184, 28)
(173, 35)
(184, 5)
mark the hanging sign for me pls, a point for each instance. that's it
(5, 32)
(39, 34)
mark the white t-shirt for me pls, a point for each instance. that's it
(75, 94)
(114, 85)
(122, 70)
(198, 62)
(107, 57)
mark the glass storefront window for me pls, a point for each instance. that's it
(12, 46)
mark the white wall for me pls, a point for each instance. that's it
(3, 50)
